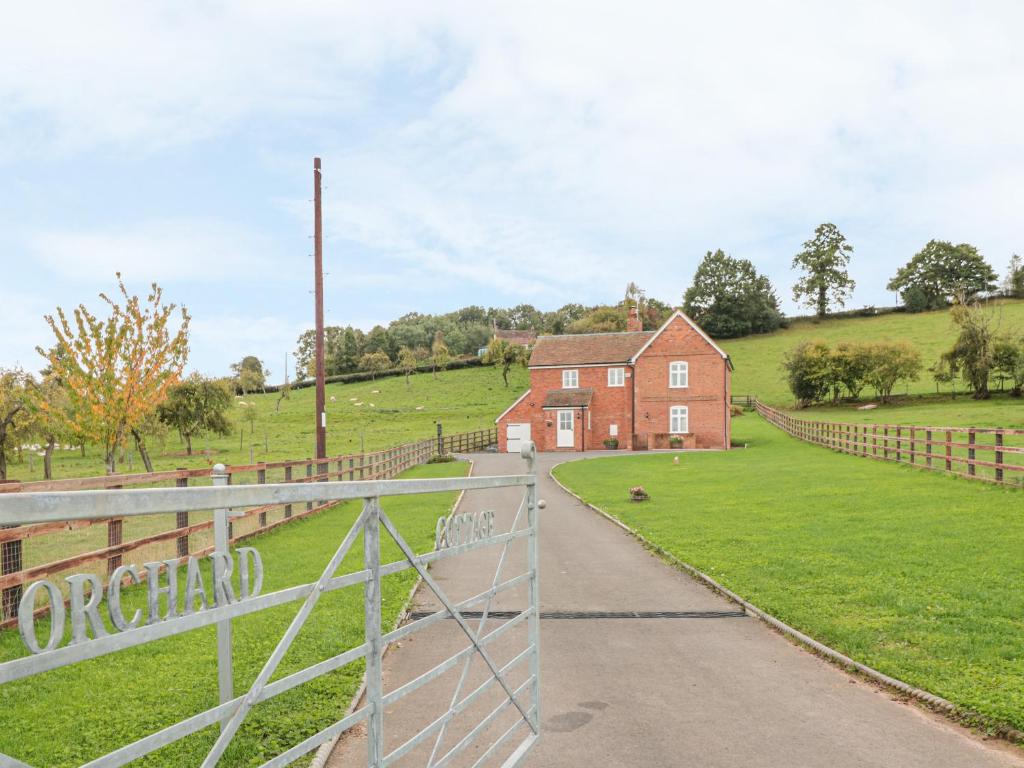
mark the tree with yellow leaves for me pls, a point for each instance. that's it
(117, 371)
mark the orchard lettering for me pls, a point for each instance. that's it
(84, 604)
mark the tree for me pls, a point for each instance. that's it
(501, 353)
(53, 421)
(407, 362)
(600, 320)
(850, 365)
(728, 298)
(1013, 283)
(284, 392)
(891, 363)
(439, 354)
(117, 371)
(1008, 362)
(16, 395)
(808, 369)
(940, 272)
(973, 349)
(250, 374)
(824, 260)
(195, 407)
(944, 371)
(375, 363)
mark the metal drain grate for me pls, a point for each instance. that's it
(599, 614)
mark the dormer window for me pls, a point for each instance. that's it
(678, 375)
(570, 379)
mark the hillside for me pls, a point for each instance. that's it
(376, 414)
(757, 358)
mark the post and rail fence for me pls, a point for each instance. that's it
(953, 450)
(47, 549)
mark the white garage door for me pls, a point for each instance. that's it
(516, 435)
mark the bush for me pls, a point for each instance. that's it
(815, 371)
(611, 443)
(735, 410)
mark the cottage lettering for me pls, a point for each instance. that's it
(463, 529)
(86, 594)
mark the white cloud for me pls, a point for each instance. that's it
(173, 250)
(551, 150)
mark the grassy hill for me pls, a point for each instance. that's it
(758, 358)
(376, 414)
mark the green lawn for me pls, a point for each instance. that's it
(757, 358)
(389, 413)
(999, 411)
(914, 573)
(68, 716)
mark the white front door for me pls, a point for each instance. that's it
(566, 423)
(515, 435)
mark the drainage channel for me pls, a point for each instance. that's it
(599, 614)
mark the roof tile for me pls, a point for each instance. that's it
(588, 348)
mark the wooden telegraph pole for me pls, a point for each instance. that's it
(318, 266)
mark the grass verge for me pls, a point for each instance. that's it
(914, 574)
(98, 705)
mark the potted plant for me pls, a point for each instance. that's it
(637, 493)
(675, 441)
(611, 443)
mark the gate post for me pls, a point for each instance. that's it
(222, 543)
(372, 608)
(440, 440)
(533, 506)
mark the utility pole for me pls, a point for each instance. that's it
(318, 267)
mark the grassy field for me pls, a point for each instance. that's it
(57, 718)
(376, 415)
(757, 358)
(914, 573)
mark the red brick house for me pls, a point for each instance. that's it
(647, 389)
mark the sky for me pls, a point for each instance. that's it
(485, 153)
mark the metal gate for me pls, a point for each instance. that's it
(91, 639)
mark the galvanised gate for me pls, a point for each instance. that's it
(215, 600)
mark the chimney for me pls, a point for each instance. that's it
(634, 323)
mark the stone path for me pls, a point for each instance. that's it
(710, 690)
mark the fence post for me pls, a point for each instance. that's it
(885, 442)
(309, 478)
(899, 441)
(949, 450)
(533, 506)
(222, 543)
(181, 518)
(971, 439)
(288, 479)
(261, 479)
(351, 468)
(928, 447)
(999, 457)
(913, 447)
(115, 536)
(440, 440)
(10, 562)
(372, 610)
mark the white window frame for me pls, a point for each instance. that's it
(619, 379)
(573, 375)
(680, 369)
(673, 414)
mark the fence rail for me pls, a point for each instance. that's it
(467, 442)
(45, 549)
(953, 450)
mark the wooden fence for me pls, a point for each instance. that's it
(468, 442)
(47, 550)
(955, 450)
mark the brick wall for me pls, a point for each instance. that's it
(707, 393)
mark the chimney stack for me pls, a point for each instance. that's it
(634, 323)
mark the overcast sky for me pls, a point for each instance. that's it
(479, 153)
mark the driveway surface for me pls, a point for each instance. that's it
(706, 687)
